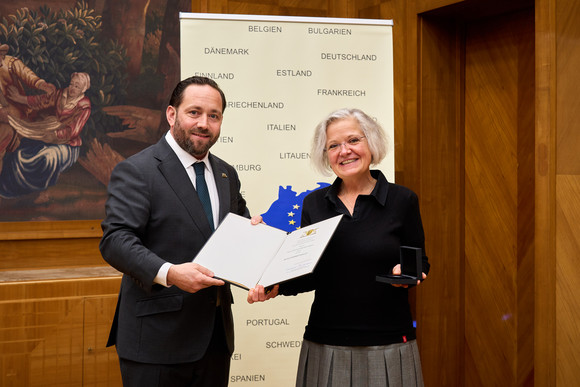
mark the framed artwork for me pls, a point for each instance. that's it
(83, 85)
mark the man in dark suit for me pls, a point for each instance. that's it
(173, 324)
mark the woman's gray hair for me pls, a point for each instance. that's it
(373, 132)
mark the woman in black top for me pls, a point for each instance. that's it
(360, 332)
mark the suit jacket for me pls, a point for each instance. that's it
(153, 216)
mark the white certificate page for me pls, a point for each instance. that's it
(238, 252)
(300, 252)
(247, 255)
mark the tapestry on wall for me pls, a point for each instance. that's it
(83, 85)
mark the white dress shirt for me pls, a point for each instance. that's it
(187, 161)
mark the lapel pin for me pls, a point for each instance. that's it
(224, 175)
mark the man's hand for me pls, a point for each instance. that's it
(191, 277)
(256, 219)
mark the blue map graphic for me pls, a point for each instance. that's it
(286, 211)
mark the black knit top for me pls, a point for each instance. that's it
(350, 307)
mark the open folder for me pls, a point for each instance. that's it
(247, 255)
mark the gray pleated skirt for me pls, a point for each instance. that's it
(395, 365)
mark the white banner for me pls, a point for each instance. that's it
(281, 77)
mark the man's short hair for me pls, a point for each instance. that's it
(177, 95)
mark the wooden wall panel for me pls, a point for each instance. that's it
(490, 204)
(53, 330)
(499, 136)
(33, 347)
(558, 166)
(438, 171)
(567, 280)
(428, 5)
(315, 8)
(100, 364)
(526, 256)
(568, 138)
(47, 328)
(34, 245)
(50, 253)
(567, 193)
(545, 197)
(404, 87)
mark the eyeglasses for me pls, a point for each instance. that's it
(350, 143)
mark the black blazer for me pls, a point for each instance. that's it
(153, 216)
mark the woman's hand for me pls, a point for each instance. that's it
(397, 271)
(259, 294)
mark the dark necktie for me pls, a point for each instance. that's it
(202, 191)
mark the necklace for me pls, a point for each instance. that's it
(349, 199)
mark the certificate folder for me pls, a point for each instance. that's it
(247, 255)
(411, 260)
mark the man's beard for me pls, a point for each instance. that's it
(184, 141)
